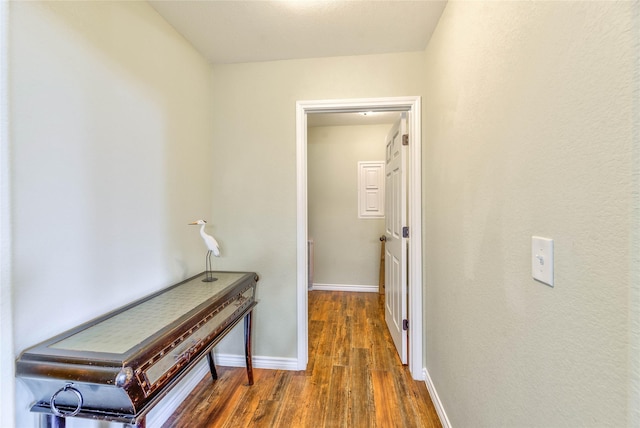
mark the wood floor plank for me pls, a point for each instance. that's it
(426, 415)
(245, 411)
(281, 381)
(404, 405)
(361, 400)
(265, 413)
(341, 349)
(319, 393)
(325, 341)
(295, 402)
(316, 328)
(337, 409)
(385, 399)
(353, 379)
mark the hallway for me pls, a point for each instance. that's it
(354, 379)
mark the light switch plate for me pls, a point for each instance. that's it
(542, 259)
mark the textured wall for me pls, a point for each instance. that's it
(110, 115)
(347, 248)
(529, 130)
(255, 168)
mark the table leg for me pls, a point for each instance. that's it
(53, 421)
(212, 365)
(141, 423)
(247, 346)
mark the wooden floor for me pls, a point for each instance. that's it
(354, 379)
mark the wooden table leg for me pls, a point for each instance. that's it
(212, 365)
(53, 421)
(140, 423)
(247, 346)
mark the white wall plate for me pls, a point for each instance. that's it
(542, 259)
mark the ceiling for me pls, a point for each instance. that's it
(251, 31)
(236, 31)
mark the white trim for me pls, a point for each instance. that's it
(345, 287)
(435, 398)
(412, 105)
(302, 235)
(258, 362)
(415, 241)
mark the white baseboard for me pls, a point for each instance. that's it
(160, 413)
(345, 287)
(272, 363)
(442, 415)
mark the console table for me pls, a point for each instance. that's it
(118, 366)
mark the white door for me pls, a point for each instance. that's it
(396, 245)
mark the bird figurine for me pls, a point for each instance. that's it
(212, 246)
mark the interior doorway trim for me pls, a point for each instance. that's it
(414, 273)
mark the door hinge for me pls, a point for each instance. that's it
(405, 324)
(405, 232)
(405, 139)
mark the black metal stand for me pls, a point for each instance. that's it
(208, 273)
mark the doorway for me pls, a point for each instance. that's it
(411, 105)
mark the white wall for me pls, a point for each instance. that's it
(530, 121)
(346, 247)
(110, 158)
(255, 180)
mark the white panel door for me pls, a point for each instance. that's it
(396, 245)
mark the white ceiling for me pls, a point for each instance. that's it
(266, 30)
(251, 31)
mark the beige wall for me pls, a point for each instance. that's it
(530, 121)
(346, 247)
(528, 129)
(254, 189)
(110, 149)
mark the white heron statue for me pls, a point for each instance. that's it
(212, 246)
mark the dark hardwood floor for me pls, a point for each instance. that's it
(354, 379)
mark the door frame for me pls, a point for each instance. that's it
(412, 105)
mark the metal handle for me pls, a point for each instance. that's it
(58, 412)
(383, 238)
